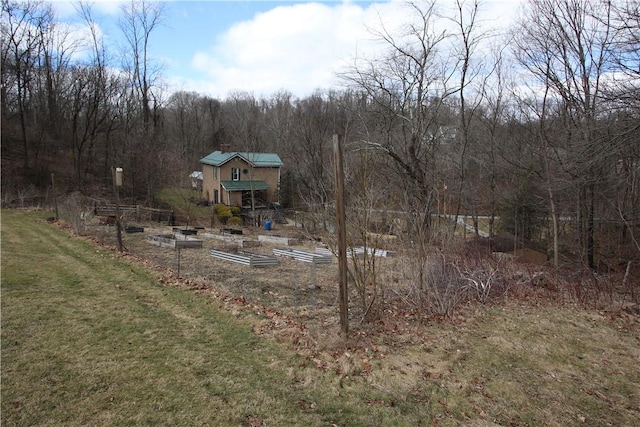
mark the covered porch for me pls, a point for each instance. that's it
(238, 193)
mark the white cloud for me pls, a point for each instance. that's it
(77, 33)
(300, 47)
(294, 47)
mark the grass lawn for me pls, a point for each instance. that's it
(90, 338)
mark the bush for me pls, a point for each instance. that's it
(224, 216)
(75, 209)
(219, 208)
(227, 215)
(234, 220)
(443, 285)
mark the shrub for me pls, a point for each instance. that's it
(443, 286)
(219, 208)
(227, 215)
(234, 220)
(75, 209)
(224, 216)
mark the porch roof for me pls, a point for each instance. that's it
(244, 185)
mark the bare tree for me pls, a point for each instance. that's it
(87, 92)
(367, 193)
(626, 52)
(496, 104)
(467, 42)
(193, 124)
(279, 111)
(138, 22)
(564, 45)
(312, 130)
(624, 96)
(24, 25)
(243, 119)
(405, 95)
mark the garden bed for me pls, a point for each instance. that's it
(278, 240)
(243, 258)
(174, 241)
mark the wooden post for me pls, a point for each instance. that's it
(118, 228)
(342, 235)
(55, 197)
(178, 256)
(117, 182)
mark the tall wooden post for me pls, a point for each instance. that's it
(118, 228)
(342, 235)
(55, 196)
(117, 183)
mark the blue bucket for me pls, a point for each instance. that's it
(267, 225)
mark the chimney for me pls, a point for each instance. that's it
(225, 148)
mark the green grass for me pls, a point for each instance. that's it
(89, 338)
(182, 201)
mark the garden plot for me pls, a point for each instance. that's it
(278, 240)
(177, 241)
(231, 238)
(245, 258)
(314, 258)
(358, 251)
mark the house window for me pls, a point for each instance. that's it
(235, 174)
(215, 172)
(215, 196)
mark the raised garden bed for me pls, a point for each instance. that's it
(278, 240)
(314, 258)
(133, 229)
(245, 258)
(230, 231)
(242, 243)
(185, 231)
(359, 251)
(174, 241)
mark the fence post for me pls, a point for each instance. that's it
(342, 235)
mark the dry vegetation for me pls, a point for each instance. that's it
(539, 347)
(454, 276)
(462, 281)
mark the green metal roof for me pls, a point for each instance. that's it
(260, 160)
(244, 185)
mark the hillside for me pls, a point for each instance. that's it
(91, 336)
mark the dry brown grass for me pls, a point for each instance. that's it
(532, 354)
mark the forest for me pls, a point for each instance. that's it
(534, 132)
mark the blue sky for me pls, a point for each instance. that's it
(220, 47)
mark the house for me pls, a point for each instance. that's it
(230, 177)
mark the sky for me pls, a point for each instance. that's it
(218, 48)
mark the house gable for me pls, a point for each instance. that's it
(258, 160)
